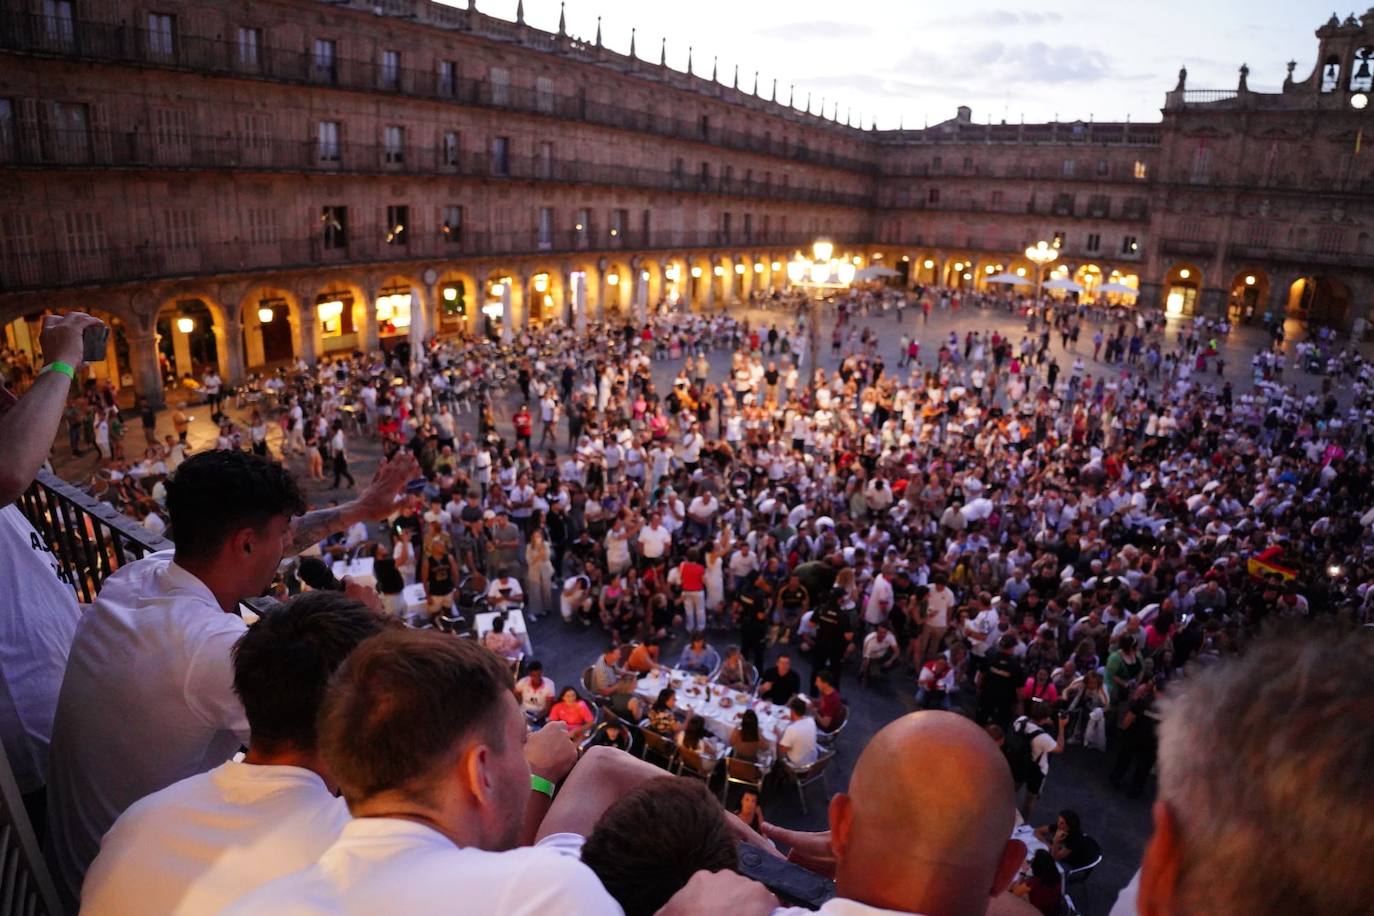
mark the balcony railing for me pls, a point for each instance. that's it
(185, 50)
(1301, 256)
(1204, 248)
(143, 150)
(53, 269)
(89, 539)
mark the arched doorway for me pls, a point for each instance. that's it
(1320, 302)
(496, 295)
(959, 273)
(1089, 276)
(1181, 286)
(545, 297)
(270, 328)
(615, 299)
(396, 308)
(188, 341)
(457, 305)
(340, 318)
(1245, 302)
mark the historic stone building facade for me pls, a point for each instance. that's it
(241, 183)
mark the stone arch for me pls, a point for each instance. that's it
(1090, 276)
(456, 301)
(1362, 69)
(986, 269)
(266, 344)
(620, 289)
(398, 307)
(341, 307)
(193, 332)
(1320, 301)
(1247, 298)
(699, 282)
(497, 301)
(546, 295)
(959, 271)
(1330, 79)
(1182, 289)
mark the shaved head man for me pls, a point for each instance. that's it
(926, 824)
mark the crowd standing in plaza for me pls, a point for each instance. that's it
(1042, 552)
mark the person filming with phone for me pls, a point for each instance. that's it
(38, 610)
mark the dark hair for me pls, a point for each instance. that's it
(664, 695)
(695, 731)
(1044, 869)
(534, 664)
(282, 665)
(825, 677)
(214, 494)
(400, 703)
(651, 841)
(797, 705)
(1075, 824)
(749, 726)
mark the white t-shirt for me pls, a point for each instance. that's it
(877, 648)
(800, 740)
(840, 906)
(202, 843)
(386, 865)
(653, 542)
(38, 616)
(1042, 745)
(938, 603)
(534, 699)
(147, 699)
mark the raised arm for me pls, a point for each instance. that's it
(376, 502)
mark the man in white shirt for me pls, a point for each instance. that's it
(880, 648)
(938, 604)
(147, 698)
(798, 740)
(879, 603)
(203, 842)
(654, 539)
(428, 746)
(535, 691)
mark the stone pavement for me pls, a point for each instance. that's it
(1078, 779)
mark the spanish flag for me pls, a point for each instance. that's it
(1265, 564)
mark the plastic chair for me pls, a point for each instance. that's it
(596, 698)
(625, 741)
(1093, 852)
(805, 776)
(828, 738)
(665, 749)
(694, 763)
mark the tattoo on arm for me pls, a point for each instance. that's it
(315, 526)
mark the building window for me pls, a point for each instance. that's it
(725, 227)
(335, 222)
(1094, 243)
(70, 128)
(397, 224)
(452, 226)
(249, 48)
(178, 230)
(546, 221)
(161, 32)
(391, 70)
(645, 225)
(1059, 239)
(6, 128)
(996, 198)
(582, 225)
(932, 195)
(448, 78)
(262, 225)
(544, 163)
(327, 141)
(1068, 168)
(1140, 170)
(1104, 168)
(57, 23)
(936, 163)
(543, 94)
(453, 148)
(679, 170)
(705, 125)
(85, 235)
(704, 176)
(18, 253)
(325, 61)
(619, 219)
(500, 86)
(1202, 163)
(1099, 205)
(255, 136)
(500, 156)
(173, 134)
(748, 227)
(394, 142)
(1129, 245)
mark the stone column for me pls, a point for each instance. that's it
(641, 305)
(419, 320)
(507, 313)
(579, 299)
(369, 336)
(232, 341)
(143, 365)
(306, 351)
(708, 274)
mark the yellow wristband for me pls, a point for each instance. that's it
(540, 784)
(59, 366)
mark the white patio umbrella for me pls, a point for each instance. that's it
(1121, 288)
(874, 271)
(1008, 278)
(1064, 284)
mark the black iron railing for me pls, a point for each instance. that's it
(181, 48)
(89, 538)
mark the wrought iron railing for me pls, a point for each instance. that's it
(90, 539)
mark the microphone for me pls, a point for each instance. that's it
(315, 573)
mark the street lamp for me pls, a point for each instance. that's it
(820, 271)
(1040, 254)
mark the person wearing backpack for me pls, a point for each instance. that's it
(1028, 746)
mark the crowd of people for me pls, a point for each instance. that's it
(1042, 546)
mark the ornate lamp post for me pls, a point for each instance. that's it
(1041, 254)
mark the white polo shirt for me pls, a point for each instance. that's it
(800, 740)
(387, 865)
(148, 699)
(38, 616)
(654, 542)
(204, 842)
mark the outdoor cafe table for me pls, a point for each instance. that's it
(515, 623)
(720, 720)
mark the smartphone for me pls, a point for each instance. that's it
(793, 884)
(93, 341)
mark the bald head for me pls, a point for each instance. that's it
(926, 823)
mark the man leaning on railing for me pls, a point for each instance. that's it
(38, 610)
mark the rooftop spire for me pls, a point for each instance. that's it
(562, 20)
(689, 60)
(663, 52)
(774, 96)
(632, 41)
(714, 60)
(520, 12)
(736, 76)
(756, 83)
(598, 31)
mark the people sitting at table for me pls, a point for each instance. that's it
(651, 841)
(573, 712)
(734, 670)
(829, 706)
(504, 592)
(694, 737)
(745, 740)
(798, 740)
(698, 657)
(612, 734)
(534, 691)
(880, 649)
(1065, 839)
(203, 842)
(935, 769)
(661, 717)
(1043, 887)
(780, 683)
(507, 645)
(391, 584)
(643, 657)
(614, 685)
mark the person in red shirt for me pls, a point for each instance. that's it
(830, 710)
(691, 577)
(524, 426)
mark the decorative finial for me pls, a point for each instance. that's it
(714, 61)
(520, 12)
(774, 96)
(689, 60)
(736, 76)
(598, 31)
(663, 52)
(791, 95)
(808, 101)
(901, 123)
(1244, 75)
(632, 41)
(756, 84)
(1182, 79)
(562, 20)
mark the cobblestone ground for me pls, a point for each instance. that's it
(1079, 777)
